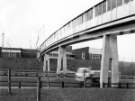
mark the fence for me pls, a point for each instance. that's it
(54, 83)
(39, 84)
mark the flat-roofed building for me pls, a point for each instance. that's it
(19, 59)
(18, 52)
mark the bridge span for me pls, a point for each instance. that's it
(106, 20)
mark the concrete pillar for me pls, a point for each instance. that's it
(62, 60)
(46, 65)
(59, 61)
(115, 63)
(109, 58)
(105, 61)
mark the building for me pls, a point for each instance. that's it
(19, 59)
(10, 52)
(89, 56)
(81, 53)
(95, 56)
(82, 57)
(18, 52)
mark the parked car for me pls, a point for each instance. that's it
(88, 75)
(83, 73)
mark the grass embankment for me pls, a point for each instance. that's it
(70, 94)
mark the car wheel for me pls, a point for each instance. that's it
(88, 82)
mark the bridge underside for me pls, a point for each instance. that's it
(109, 34)
(109, 54)
(120, 27)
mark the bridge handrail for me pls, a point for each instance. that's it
(96, 10)
(70, 22)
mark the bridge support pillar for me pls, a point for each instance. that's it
(62, 60)
(46, 63)
(109, 60)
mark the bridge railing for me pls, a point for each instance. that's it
(54, 80)
(103, 12)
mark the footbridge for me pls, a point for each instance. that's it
(107, 19)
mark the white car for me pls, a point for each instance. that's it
(83, 73)
(88, 75)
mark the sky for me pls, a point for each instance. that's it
(23, 20)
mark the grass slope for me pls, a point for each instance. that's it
(70, 94)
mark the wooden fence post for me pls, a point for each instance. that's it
(109, 82)
(38, 89)
(62, 84)
(119, 85)
(84, 82)
(127, 85)
(49, 83)
(81, 84)
(19, 84)
(9, 81)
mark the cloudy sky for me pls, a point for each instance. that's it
(22, 20)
